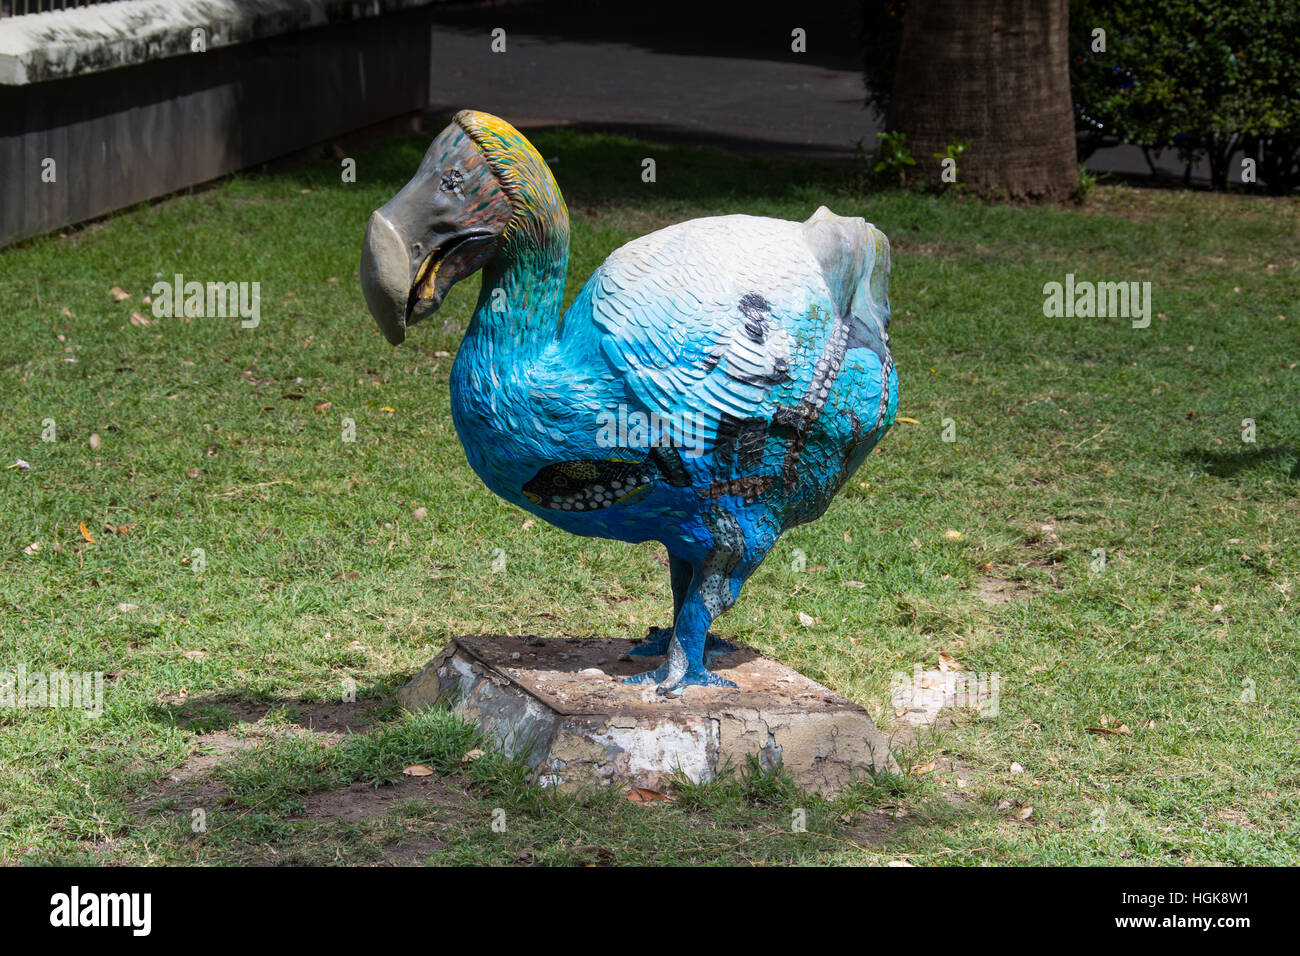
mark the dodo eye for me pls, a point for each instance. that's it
(451, 181)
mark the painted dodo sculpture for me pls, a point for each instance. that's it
(713, 384)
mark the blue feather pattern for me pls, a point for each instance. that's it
(713, 383)
(762, 341)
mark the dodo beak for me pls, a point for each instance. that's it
(386, 277)
(441, 227)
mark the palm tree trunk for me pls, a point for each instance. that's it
(994, 73)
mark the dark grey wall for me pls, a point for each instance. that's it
(135, 133)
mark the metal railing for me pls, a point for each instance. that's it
(18, 8)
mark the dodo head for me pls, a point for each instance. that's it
(476, 188)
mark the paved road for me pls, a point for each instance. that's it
(661, 73)
(671, 70)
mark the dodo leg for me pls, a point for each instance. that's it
(713, 588)
(656, 642)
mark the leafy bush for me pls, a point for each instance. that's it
(893, 157)
(1196, 75)
(953, 151)
(1200, 76)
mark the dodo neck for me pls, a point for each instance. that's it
(522, 292)
(523, 285)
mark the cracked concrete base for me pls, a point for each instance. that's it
(563, 705)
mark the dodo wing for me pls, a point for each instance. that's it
(685, 332)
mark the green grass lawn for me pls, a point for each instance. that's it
(227, 667)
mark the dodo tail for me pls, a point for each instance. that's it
(854, 257)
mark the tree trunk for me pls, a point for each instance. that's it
(994, 73)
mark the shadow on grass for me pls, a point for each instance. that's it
(607, 168)
(281, 795)
(205, 715)
(1233, 464)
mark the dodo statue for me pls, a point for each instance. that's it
(713, 384)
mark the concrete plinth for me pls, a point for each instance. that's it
(563, 705)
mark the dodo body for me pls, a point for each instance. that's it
(713, 383)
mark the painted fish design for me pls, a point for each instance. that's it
(590, 484)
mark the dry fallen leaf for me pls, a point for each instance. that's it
(806, 620)
(95, 441)
(528, 524)
(196, 655)
(1025, 813)
(419, 514)
(641, 795)
(120, 294)
(323, 406)
(923, 769)
(1108, 731)
(471, 756)
(952, 534)
(33, 548)
(128, 608)
(138, 320)
(86, 534)
(947, 663)
(900, 862)
(1016, 768)
(418, 770)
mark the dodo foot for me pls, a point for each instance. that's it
(694, 677)
(656, 645)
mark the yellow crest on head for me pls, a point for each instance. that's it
(520, 169)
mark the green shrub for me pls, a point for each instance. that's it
(892, 158)
(1202, 77)
(1199, 76)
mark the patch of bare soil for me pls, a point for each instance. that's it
(874, 829)
(1042, 549)
(192, 784)
(364, 801)
(955, 779)
(998, 590)
(413, 852)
